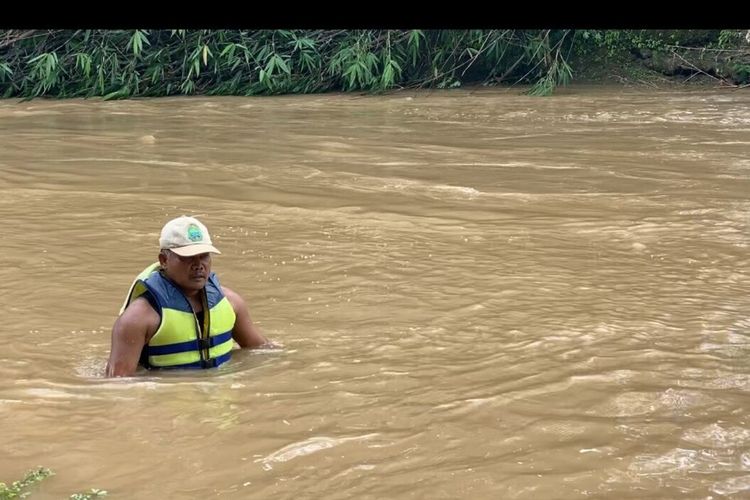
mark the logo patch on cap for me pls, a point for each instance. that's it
(194, 233)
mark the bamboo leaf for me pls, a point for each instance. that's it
(228, 51)
(206, 53)
(282, 64)
(5, 69)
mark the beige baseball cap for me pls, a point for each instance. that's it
(186, 236)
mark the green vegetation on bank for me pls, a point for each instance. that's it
(132, 63)
(18, 488)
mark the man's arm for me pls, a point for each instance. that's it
(245, 333)
(129, 334)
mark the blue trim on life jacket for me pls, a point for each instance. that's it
(211, 363)
(191, 345)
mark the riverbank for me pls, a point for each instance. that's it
(638, 71)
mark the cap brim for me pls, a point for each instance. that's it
(190, 250)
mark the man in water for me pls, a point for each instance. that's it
(176, 314)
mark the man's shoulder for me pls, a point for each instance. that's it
(228, 292)
(233, 297)
(138, 322)
(141, 310)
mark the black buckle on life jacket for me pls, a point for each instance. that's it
(209, 363)
(204, 343)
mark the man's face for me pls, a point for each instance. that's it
(190, 273)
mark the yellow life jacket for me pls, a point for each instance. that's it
(180, 341)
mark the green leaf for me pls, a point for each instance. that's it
(270, 65)
(117, 94)
(282, 64)
(137, 41)
(229, 49)
(206, 53)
